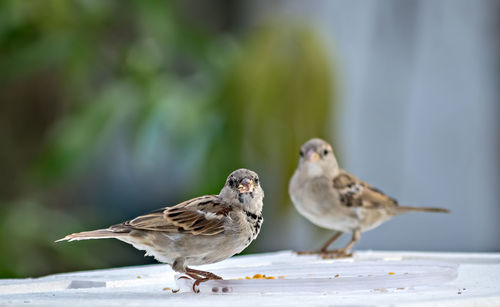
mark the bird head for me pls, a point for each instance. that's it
(243, 187)
(317, 158)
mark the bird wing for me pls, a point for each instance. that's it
(203, 215)
(354, 192)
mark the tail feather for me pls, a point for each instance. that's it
(404, 209)
(94, 234)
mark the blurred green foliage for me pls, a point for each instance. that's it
(86, 80)
(27, 231)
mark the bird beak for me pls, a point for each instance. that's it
(312, 156)
(246, 185)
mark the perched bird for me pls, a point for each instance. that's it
(202, 230)
(331, 198)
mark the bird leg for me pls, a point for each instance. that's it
(342, 252)
(199, 277)
(324, 248)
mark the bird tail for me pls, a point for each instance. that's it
(404, 209)
(94, 234)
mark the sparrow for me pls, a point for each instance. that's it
(332, 198)
(203, 230)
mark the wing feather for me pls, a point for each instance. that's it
(354, 192)
(200, 216)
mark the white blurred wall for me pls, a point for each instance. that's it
(419, 114)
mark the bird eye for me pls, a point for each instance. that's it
(256, 180)
(325, 152)
(301, 153)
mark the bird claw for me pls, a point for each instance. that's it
(195, 284)
(198, 281)
(184, 277)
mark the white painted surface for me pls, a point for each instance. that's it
(453, 279)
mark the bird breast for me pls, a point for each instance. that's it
(316, 200)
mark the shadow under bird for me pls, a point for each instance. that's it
(332, 198)
(202, 230)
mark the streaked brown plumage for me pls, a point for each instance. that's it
(202, 230)
(334, 199)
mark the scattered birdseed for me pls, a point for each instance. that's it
(139, 277)
(175, 291)
(167, 288)
(262, 276)
(336, 275)
(391, 273)
(215, 289)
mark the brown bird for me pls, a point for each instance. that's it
(332, 198)
(202, 230)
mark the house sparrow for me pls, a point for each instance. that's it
(202, 230)
(331, 198)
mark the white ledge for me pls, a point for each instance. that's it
(370, 278)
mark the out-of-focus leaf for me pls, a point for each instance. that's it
(75, 138)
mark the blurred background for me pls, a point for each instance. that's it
(110, 109)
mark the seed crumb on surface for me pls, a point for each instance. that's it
(262, 276)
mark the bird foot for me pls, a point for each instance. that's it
(197, 282)
(308, 252)
(327, 254)
(335, 254)
(199, 277)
